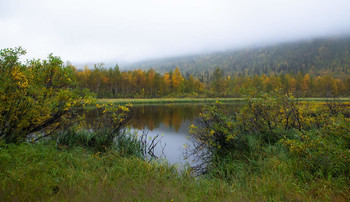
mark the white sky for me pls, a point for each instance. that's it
(83, 31)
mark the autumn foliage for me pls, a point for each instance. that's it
(316, 133)
(113, 83)
(36, 98)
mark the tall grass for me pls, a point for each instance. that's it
(276, 149)
(33, 172)
(99, 165)
(270, 172)
(124, 142)
(41, 172)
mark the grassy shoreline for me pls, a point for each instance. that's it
(41, 172)
(72, 169)
(166, 100)
(195, 100)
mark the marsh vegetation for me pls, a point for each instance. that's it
(272, 147)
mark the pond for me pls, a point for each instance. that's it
(171, 122)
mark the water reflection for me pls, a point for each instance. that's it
(171, 121)
(172, 116)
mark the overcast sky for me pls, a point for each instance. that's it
(84, 31)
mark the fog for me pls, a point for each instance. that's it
(86, 31)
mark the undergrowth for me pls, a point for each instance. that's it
(32, 172)
(276, 147)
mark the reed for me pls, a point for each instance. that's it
(32, 172)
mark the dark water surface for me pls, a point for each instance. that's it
(171, 123)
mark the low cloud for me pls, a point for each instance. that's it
(127, 31)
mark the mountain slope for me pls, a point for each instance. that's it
(316, 57)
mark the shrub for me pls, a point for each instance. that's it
(109, 132)
(325, 151)
(103, 133)
(317, 133)
(36, 98)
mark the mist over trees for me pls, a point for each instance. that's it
(316, 57)
(317, 68)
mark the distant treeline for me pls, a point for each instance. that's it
(327, 56)
(113, 83)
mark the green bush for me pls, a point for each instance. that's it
(315, 133)
(36, 98)
(109, 132)
(103, 134)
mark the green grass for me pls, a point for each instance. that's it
(41, 172)
(32, 172)
(193, 100)
(168, 100)
(272, 174)
(325, 99)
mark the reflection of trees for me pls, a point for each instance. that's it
(176, 120)
(171, 115)
(166, 120)
(139, 124)
(151, 124)
(151, 116)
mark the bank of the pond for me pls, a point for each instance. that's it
(42, 172)
(168, 100)
(197, 100)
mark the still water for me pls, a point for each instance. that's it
(171, 122)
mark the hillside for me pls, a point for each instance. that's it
(317, 57)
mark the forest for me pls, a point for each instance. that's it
(320, 56)
(316, 68)
(113, 83)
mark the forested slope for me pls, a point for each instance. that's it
(317, 57)
(315, 68)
